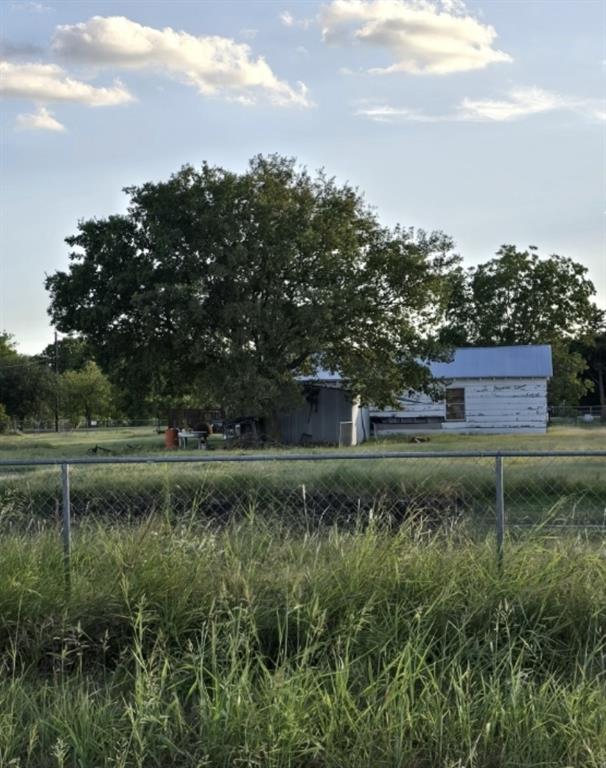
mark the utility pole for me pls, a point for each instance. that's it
(56, 384)
(601, 369)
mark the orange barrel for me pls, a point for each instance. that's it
(171, 438)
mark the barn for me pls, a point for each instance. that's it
(488, 390)
(329, 414)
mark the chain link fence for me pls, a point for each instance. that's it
(580, 415)
(43, 426)
(519, 490)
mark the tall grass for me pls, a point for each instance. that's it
(254, 645)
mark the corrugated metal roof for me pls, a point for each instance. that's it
(496, 362)
(520, 361)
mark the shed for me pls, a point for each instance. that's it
(487, 390)
(329, 414)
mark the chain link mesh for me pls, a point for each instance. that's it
(545, 491)
(556, 491)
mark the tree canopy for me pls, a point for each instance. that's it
(232, 284)
(595, 355)
(71, 353)
(85, 392)
(27, 387)
(520, 298)
(33, 390)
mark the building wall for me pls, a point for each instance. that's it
(492, 406)
(320, 420)
(501, 406)
(414, 405)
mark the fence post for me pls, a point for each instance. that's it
(67, 526)
(500, 510)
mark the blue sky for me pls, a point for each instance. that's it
(483, 119)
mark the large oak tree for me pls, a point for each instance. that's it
(231, 284)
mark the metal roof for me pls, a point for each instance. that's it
(521, 361)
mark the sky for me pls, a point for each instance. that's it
(482, 119)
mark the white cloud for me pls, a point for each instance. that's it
(522, 102)
(42, 120)
(288, 20)
(519, 103)
(31, 5)
(454, 6)
(48, 82)
(383, 113)
(422, 37)
(214, 65)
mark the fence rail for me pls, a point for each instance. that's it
(498, 490)
(288, 456)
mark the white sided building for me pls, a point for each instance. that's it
(488, 390)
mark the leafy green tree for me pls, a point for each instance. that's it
(569, 383)
(72, 354)
(520, 298)
(87, 393)
(8, 352)
(597, 367)
(4, 419)
(594, 354)
(27, 387)
(229, 285)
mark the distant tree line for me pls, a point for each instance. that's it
(218, 288)
(65, 383)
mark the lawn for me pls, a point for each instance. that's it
(143, 441)
(122, 441)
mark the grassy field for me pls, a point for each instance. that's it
(143, 441)
(564, 490)
(257, 646)
(278, 639)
